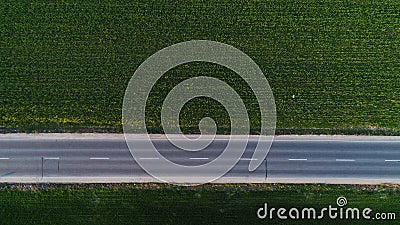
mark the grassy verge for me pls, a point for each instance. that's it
(165, 204)
(65, 64)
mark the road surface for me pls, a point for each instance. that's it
(292, 159)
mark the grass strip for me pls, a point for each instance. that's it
(334, 66)
(168, 204)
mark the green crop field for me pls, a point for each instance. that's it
(334, 66)
(207, 204)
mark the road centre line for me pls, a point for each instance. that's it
(297, 159)
(345, 160)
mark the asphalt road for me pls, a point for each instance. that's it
(101, 158)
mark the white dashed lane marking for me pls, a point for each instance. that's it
(345, 160)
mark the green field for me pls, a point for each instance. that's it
(165, 204)
(64, 65)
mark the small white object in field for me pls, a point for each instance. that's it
(293, 96)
